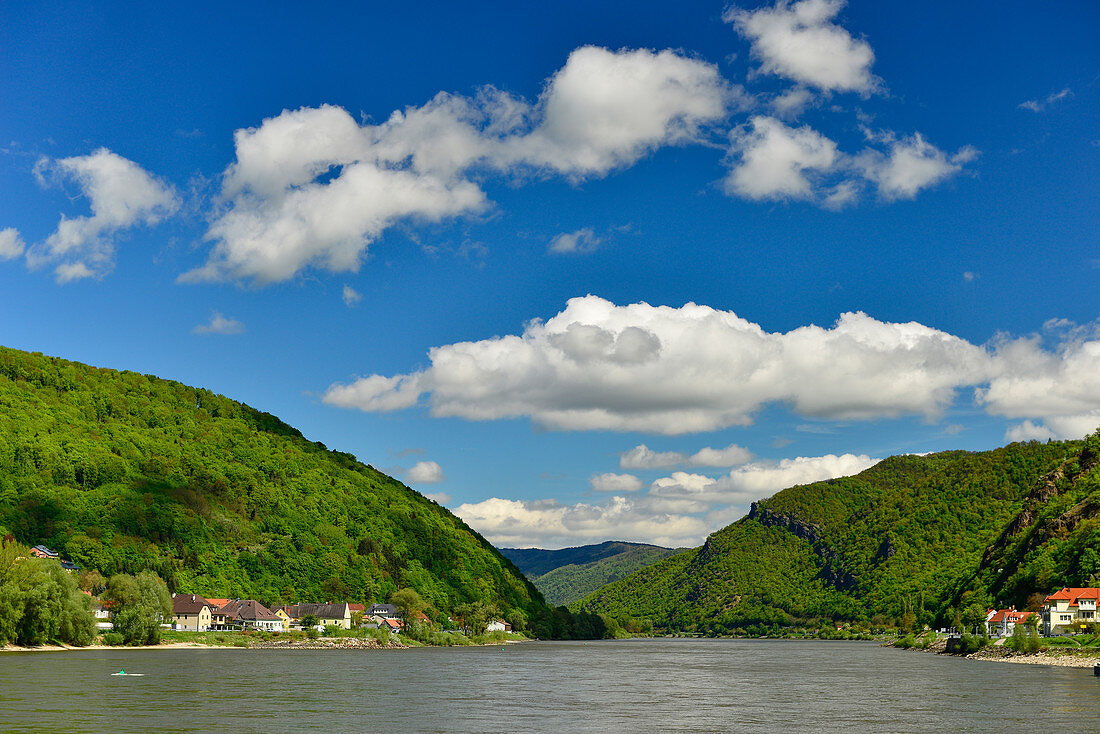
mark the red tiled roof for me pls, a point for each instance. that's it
(1072, 595)
(1010, 614)
(357, 607)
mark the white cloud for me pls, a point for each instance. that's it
(731, 455)
(598, 366)
(441, 497)
(790, 104)
(1036, 105)
(773, 161)
(1028, 431)
(764, 478)
(11, 244)
(800, 41)
(549, 524)
(575, 243)
(351, 296)
(314, 188)
(610, 482)
(912, 164)
(1060, 385)
(376, 394)
(219, 325)
(642, 457)
(425, 472)
(121, 194)
(668, 514)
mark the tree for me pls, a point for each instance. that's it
(93, 582)
(974, 616)
(309, 621)
(140, 603)
(408, 602)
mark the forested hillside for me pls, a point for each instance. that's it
(123, 472)
(566, 575)
(912, 540)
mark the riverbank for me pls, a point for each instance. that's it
(998, 652)
(319, 643)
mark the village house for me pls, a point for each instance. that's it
(498, 625)
(251, 614)
(1002, 622)
(393, 625)
(191, 612)
(41, 551)
(1067, 611)
(385, 611)
(326, 614)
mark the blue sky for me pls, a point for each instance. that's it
(578, 272)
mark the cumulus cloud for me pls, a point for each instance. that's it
(610, 482)
(1060, 385)
(642, 457)
(425, 472)
(314, 188)
(677, 510)
(219, 324)
(801, 41)
(774, 161)
(121, 194)
(351, 296)
(731, 455)
(764, 478)
(1028, 431)
(911, 165)
(550, 524)
(11, 244)
(663, 370)
(575, 243)
(1038, 105)
(770, 160)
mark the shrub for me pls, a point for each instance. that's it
(114, 639)
(905, 642)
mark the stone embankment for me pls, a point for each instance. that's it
(1059, 658)
(328, 643)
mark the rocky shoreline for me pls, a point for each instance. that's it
(999, 653)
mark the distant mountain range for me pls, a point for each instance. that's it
(913, 540)
(566, 575)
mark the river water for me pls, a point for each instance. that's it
(662, 685)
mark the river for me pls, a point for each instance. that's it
(661, 685)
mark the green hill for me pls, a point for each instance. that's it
(123, 472)
(566, 575)
(913, 539)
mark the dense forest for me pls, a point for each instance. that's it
(567, 575)
(123, 473)
(913, 540)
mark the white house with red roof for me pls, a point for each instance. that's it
(1066, 611)
(1002, 622)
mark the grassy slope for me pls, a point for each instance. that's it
(123, 472)
(905, 535)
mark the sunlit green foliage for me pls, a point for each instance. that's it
(898, 545)
(567, 584)
(39, 601)
(139, 605)
(122, 473)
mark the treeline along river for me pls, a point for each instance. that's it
(656, 685)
